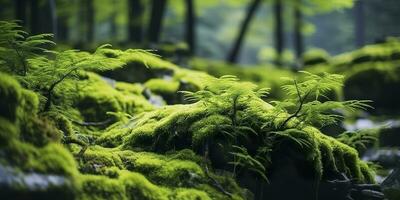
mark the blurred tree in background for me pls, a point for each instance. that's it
(244, 31)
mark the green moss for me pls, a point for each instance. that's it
(129, 88)
(10, 97)
(95, 160)
(29, 102)
(94, 97)
(264, 76)
(195, 125)
(168, 89)
(162, 86)
(138, 187)
(112, 137)
(100, 187)
(315, 56)
(190, 194)
(8, 131)
(39, 131)
(377, 84)
(163, 170)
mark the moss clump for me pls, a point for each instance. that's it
(100, 187)
(92, 97)
(168, 89)
(133, 185)
(98, 173)
(203, 127)
(377, 84)
(164, 170)
(316, 57)
(264, 76)
(10, 97)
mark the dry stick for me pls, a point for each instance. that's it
(102, 123)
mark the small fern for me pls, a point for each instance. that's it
(16, 47)
(48, 72)
(305, 101)
(244, 160)
(360, 139)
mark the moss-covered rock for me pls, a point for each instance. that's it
(203, 127)
(98, 172)
(315, 57)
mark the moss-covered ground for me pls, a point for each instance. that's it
(149, 129)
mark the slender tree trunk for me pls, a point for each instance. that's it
(190, 34)
(157, 14)
(81, 22)
(35, 17)
(20, 11)
(234, 53)
(113, 23)
(135, 24)
(279, 34)
(53, 15)
(298, 36)
(90, 20)
(47, 17)
(359, 24)
(62, 28)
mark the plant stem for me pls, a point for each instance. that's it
(49, 92)
(301, 101)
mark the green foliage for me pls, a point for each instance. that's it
(361, 139)
(243, 159)
(306, 100)
(225, 89)
(49, 72)
(16, 46)
(315, 57)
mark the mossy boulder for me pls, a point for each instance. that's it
(91, 97)
(315, 57)
(215, 124)
(381, 85)
(97, 173)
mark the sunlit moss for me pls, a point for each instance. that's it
(10, 97)
(199, 124)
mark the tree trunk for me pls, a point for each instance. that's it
(53, 15)
(157, 14)
(47, 17)
(234, 53)
(89, 20)
(81, 22)
(62, 28)
(279, 34)
(20, 11)
(135, 24)
(35, 17)
(298, 36)
(113, 23)
(190, 34)
(359, 26)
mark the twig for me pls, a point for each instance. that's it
(73, 140)
(49, 92)
(102, 123)
(301, 100)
